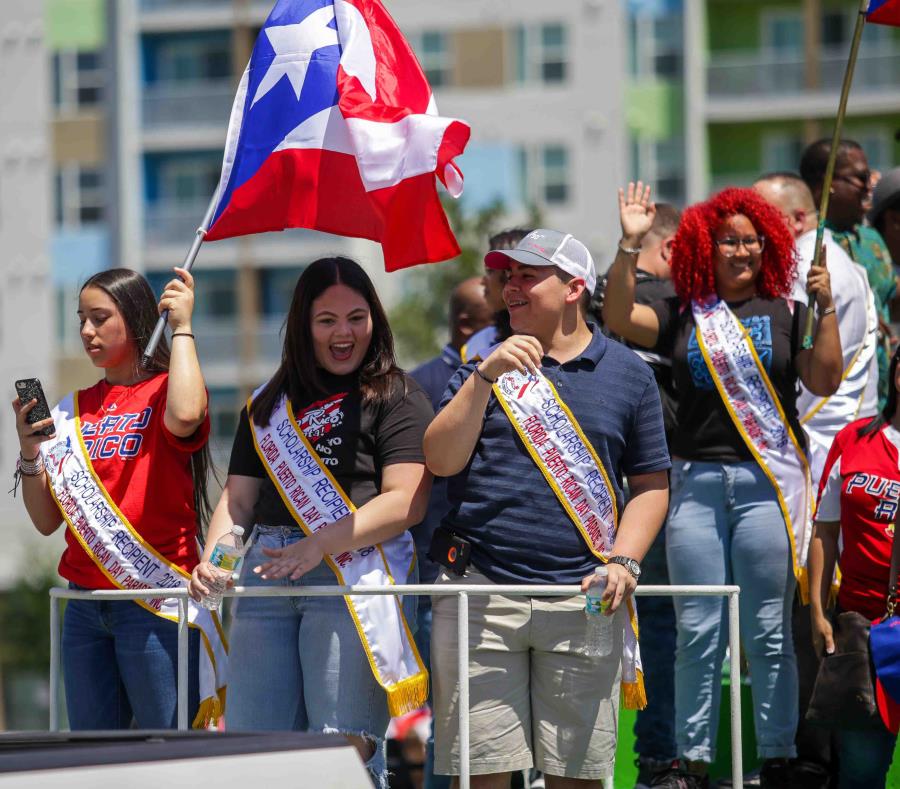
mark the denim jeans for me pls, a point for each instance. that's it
(297, 663)
(725, 527)
(423, 642)
(865, 758)
(654, 728)
(121, 662)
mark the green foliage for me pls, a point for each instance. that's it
(419, 320)
(25, 620)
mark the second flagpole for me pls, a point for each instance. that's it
(832, 159)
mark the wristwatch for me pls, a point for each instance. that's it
(629, 564)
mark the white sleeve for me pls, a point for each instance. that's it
(830, 504)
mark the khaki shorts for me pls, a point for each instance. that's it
(535, 699)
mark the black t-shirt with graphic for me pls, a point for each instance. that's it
(704, 429)
(355, 441)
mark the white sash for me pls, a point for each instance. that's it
(571, 467)
(122, 555)
(315, 500)
(828, 415)
(757, 414)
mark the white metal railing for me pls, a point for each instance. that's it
(187, 103)
(462, 592)
(763, 71)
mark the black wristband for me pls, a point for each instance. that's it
(483, 377)
(182, 334)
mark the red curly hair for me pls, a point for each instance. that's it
(694, 253)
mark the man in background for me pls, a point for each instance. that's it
(849, 201)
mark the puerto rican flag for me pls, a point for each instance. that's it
(334, 128)
(884, 12)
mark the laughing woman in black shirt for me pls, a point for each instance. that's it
(310, 663)
(735, 341)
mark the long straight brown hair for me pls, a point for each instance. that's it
(299, 374)
(136, 301)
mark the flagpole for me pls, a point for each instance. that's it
(147, 357)
(832, 158)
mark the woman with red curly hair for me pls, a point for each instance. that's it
(740, 485)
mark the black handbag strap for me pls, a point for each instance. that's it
(895, 569)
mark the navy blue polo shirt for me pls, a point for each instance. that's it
(501, 502)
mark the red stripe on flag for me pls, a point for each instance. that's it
(884, 12)
(322, 190)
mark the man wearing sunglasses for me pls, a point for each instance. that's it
(850, 192)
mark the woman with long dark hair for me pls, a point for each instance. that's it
(854, 528)
(741, 491)
(126, 470)
(328, 466)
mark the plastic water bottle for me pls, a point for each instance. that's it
(226, 559)
(598, 641)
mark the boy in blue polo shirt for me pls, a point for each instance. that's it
(536, 698)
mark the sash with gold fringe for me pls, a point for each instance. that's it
(122, 555)
(576, 475)
(315, 500)
(756, 411)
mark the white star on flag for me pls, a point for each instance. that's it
(294, 46)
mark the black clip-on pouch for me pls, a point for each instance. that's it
(449, 551)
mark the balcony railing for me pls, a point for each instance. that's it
(762, 72)
(182, 104)
(170, 5)
(172, 222)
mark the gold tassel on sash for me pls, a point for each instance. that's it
(634, 694)
(407, 695)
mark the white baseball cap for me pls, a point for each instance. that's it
(549, 248)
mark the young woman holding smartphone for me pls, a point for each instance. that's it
(126, 471)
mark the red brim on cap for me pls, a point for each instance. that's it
(889, 709)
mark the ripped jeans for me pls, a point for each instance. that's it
(297, 663)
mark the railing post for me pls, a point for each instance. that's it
(182, 664)
(734, 643)
(54, 663)
(462, 639)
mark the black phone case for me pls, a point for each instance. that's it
(29, 389)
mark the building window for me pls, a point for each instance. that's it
(781, 152)
(79, 195)
(541, 53)
(433, 50)
(657, 45)
(78, 80)
(188, 57)
(660, 163)
(555, 161)
(543, 175)
(224, 408)
(215, 289)
(277, 289)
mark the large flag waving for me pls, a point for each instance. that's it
(334, 128)
(884, 12)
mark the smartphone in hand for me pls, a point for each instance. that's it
(29, 389)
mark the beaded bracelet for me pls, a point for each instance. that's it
(30, 468)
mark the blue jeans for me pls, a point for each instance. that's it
(865, 758)
(121, 662)
(297, 663)
(654, 728)
(423, 642)
(725, 527)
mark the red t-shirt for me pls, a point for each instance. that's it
(145, 469)
(860, 488)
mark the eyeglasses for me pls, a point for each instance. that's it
(859, 182)
(729, 246)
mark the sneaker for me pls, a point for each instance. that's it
(648, 769)
(775, 774)
(678, 777)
